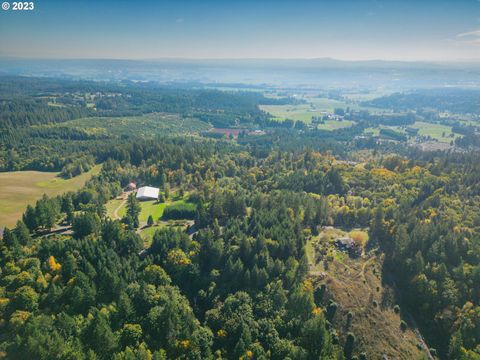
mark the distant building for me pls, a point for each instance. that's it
(148, 193)
(130, 187)
(347, 244)
(257, 132)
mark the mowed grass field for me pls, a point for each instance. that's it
(313, 108)
(439, 132)
(435, 131)
(304, 113)
(20, 188)
(334, 125)
(148, 208)
(301, 112)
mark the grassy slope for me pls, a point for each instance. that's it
(435, 131)
(151, 208)
(354, 284)
(148, 208)
(20, 188)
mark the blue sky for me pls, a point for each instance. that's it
(351, 30)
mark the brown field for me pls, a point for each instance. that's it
(354, 284)
(20, 188)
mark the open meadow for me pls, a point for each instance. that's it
(365, 304)
(442, 133)
(20, 188)
(314, 107)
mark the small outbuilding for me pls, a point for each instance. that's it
(148, 193)
(131, 186)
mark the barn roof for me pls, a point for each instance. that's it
(148, 192)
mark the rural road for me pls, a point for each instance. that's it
(115, 212)
(124, 196)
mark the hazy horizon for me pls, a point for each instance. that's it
(242, 59)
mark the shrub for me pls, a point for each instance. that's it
(403, 325)
(360, 237)
(396, 309)
(180, 211)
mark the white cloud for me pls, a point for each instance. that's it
(474, 33)
(469, 37)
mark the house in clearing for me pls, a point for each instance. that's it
(348, 245)
(148, 193)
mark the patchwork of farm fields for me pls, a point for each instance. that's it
(20, 188)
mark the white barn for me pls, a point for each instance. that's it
(147, 193)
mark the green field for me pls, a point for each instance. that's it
(442, 133)
(148, 208)
(435, 131)
(151, 208)
(147, 233)
(302, 112)
(325, 104)
(313, 108)
(20, 188)
(334, 125)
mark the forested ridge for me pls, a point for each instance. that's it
(29, 101)
(239, 287)
(232, 291)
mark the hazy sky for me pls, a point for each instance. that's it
(357, 29)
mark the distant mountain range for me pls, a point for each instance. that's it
(316, 73)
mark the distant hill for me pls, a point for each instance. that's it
(324, 72)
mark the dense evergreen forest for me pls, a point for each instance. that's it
(463, 101)
(236, 283)
(28, 101)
